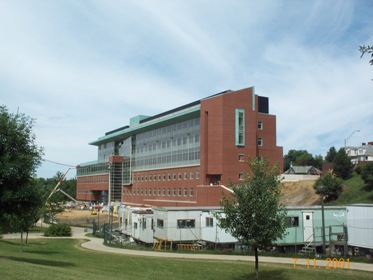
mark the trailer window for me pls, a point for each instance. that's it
(292, 221)
(159, 223)
(186, 224)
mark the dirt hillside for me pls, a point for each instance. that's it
(294, 194)
(299, 194)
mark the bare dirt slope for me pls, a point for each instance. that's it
(294, 194)
(299, 194)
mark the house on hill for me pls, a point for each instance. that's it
(303, 170)
(361, 154)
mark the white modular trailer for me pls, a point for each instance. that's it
(211, 231)
(190, 224)
(127, 220)
(360, 225)
(179, 224)
(142, 226)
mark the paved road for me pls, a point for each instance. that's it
(96, 244)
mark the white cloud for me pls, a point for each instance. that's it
(83, 68)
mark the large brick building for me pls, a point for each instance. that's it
(183, 157)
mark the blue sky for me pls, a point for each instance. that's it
(82, 68)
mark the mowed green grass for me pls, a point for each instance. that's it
(65, 259)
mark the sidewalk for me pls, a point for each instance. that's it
(96, 244)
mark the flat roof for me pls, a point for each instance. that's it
(168, 117)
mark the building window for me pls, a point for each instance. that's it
(155, 191)
(159, 191)
(191, 191)
(169, 176)
(241, 176)
(159, 177)
(164, 176)
(169, 192)
(260, 125)
(292, 221)
(179, 191)
(209, 222)
(240, 157)
(159, 223)
(174, 176)
(197, 175)
(260, 142)
(185, 191)
(174, 191)
(150, 177)
(240, 127)
(186, 223)
(191, 175)
(164, 191)
(179, 176)
(185, 176)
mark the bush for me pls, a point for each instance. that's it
(58, 230)
(358, 169)
(367, 173)
(332, 187)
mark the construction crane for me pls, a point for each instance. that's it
(56, 189)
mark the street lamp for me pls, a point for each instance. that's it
(321, 189)
(109, 192)
(348, 138)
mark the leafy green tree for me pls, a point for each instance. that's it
(19, 158)
(26, 208)
(330, 155)
(253, 213)
(342, 165)
(366, 49)
(367, 173)
(332, 186)
(302, 158)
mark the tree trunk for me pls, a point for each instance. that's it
(26, 236)
(256, 263)
(21, 240)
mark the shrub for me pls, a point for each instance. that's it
(332, 186)
(358, 169)
(367, 173)
(58, 230)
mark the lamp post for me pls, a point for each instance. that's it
(348, 138)
(109, 193)
(321, 189)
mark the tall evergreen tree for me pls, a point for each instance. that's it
(330, 155)
(342, 165)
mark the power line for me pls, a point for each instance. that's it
(68, 165)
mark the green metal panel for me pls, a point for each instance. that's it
(334, 216)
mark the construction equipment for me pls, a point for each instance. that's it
(56, 187)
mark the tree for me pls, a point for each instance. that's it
(19, 158)
(330, 155)
(342, 165)
(367, 174)
(253, 213)
(302, 158)
(332, 186)
(26, 209)
(366, 49)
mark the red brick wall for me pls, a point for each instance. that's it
(219, 153)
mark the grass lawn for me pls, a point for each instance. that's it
(65, 259)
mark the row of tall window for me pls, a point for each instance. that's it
(166, 177)
(161, 192)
